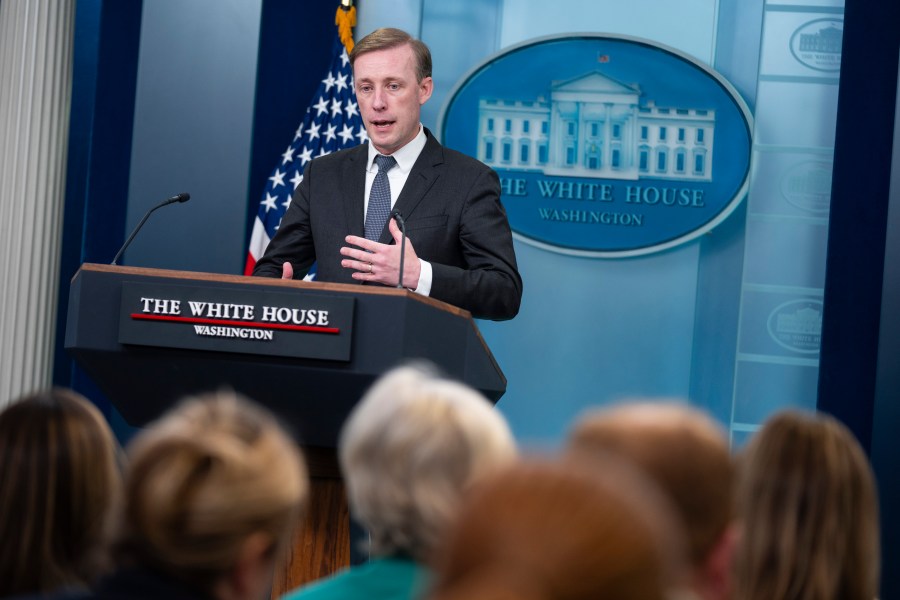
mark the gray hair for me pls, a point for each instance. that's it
(409, 451)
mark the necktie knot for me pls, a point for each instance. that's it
(384, 162)
(379, 207)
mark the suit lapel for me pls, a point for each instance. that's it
(353, 189)
(422, 176)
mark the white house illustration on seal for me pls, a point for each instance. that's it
(595, 126)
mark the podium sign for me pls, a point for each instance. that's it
(202, 317)
(306, 350)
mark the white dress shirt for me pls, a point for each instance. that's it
(406, 157)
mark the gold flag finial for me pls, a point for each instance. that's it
(345, 19)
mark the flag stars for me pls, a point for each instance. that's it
(329, 82)
(341, 82)
(336, 107)
(269, 202)
(346, 134)
(330, 133)
(277, 179)
(351, 108)
(331, 122)
(321, 107)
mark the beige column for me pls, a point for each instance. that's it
(36, 38)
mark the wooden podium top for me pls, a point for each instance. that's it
(348, 288)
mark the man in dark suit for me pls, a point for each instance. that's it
(459, 246)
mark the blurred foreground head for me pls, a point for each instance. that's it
(547, 531)
(214, 486)
(686, 453)
(809, 510)
(59, 484)
(410, 450)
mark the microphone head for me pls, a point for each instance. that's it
(398, 216)
(182, 197)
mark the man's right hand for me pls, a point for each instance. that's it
(287, 270)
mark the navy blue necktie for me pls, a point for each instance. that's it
(379, 199)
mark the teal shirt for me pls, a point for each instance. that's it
(378, 579)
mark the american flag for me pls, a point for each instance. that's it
(332, 122)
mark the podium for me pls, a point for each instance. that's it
(305, 350)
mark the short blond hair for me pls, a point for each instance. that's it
(209, 474)
(410, 449)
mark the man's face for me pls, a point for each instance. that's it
(390, 98)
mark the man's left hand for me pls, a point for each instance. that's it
(380, 263)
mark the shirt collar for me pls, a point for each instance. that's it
(406, 156)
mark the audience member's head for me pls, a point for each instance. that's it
(807, 501)
(409, 450)
(686, 453)
(558, 531)
(212, 493)
(59, 483)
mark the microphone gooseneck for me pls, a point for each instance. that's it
(182, 197)
(398, 217)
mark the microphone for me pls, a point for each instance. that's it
(182, 197)
(397, 216)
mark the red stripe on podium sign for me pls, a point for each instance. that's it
(230, 323)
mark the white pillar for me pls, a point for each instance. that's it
(36, 38)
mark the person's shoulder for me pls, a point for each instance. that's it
(335, 587)
(338, 157)
(379, 578)
(458, 160)
(465, 159)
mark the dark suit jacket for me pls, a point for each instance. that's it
(454, 219)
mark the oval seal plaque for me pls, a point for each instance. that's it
(797, 325)
(606, 146)
(807, 186)
(817, 44)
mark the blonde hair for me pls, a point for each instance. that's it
(409, 450)
(208, 475)
(545, 531)
(59, 486)
(807, 499)
(682, 449)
